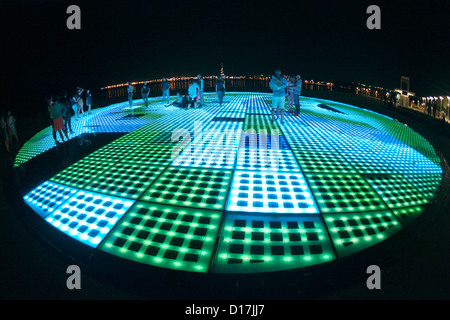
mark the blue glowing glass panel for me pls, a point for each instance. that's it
(88, 217)
(48, 196)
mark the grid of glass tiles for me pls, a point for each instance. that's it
(166, 236)
(407, 214)
(402, 133)
(396, 191)
(48, 196)
(119, 119)
(81, 172)
(363, 174)
(262, 243)
(313, 161)
(152, 154)
(189, 187)
(112, 152)
(216, 147)
(354, 232)
(38, 144)
(101, 120)
(258, 105)
(215, 126)
(207, 156)
(265, 152)
(88, 217)
(260, 124)
(305, 138)
(164, 137)
(136, 137)
(266, 160)
(368, 163)
(192, 122)
(270, 192)
(427, 184)
(264, 141)
(339, 193)
(125, 180)
(231, 114)
(237, 105)
(409, 161)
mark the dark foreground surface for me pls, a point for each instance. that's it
(414, 263)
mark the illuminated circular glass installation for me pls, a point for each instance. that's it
(226, 190)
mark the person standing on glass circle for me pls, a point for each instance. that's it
(278, 84)
(145, 91)
(220, 89)
(166, 90)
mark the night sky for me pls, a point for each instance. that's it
(134, 40)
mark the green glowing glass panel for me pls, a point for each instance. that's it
(166, 236)
(125, 180)
(81, 172)
(189, 187)
(260, 124)
(153, 154)
(354, 232)
(313, 161)
(112, 152)
(427, 184)
(337, 193)
(406, 215)
(262, 244)
(396, 191)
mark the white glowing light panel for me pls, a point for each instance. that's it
(215, 147)
(270, 192)
(88, 217)
(266, 160)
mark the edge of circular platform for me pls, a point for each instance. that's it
(283, 284)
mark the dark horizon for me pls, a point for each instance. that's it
(136, 40)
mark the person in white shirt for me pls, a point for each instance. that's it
(278, 84)
(193, 92)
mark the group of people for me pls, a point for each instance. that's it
(145, 92)
(282, 88)
(9, 132)
(59, 107)
(431, 108)
(193, 98)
